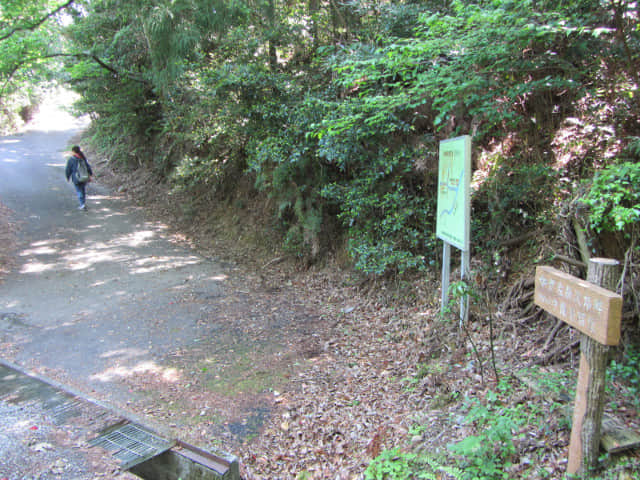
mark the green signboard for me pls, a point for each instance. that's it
(452, 223)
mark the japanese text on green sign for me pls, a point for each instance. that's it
(452, 223)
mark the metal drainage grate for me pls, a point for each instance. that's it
(66, 410)
(131, 444)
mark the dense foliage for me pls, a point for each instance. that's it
(28, 33)
(334, 110)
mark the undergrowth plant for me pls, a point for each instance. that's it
(513, 200)
(396, 464)
(491, 451)
(626, 373)
(558, 384)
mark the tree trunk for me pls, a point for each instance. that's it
(272, 50)
(314, 7)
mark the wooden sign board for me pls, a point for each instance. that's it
(593, 310)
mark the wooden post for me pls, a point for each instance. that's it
(587, 415)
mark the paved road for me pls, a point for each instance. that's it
(96, 294)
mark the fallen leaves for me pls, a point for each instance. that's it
(374, 447)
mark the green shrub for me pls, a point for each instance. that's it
(381, 200)
(614, 198)
(513, 199)
(288, 171)
(388, 226)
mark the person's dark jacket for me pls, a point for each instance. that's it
(71, 171)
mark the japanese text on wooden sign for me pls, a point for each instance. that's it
(591, 309)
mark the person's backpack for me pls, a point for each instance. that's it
(83, 171)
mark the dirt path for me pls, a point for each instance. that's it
(106, 302)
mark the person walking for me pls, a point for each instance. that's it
(80, 173)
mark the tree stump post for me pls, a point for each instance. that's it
(587, 416)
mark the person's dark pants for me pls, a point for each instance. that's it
(80, 191)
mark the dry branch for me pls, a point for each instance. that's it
(570, 261)
(512, 242)
(558, 351)
(527, 319)
(552, 334)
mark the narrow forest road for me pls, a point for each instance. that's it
(105, 302)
